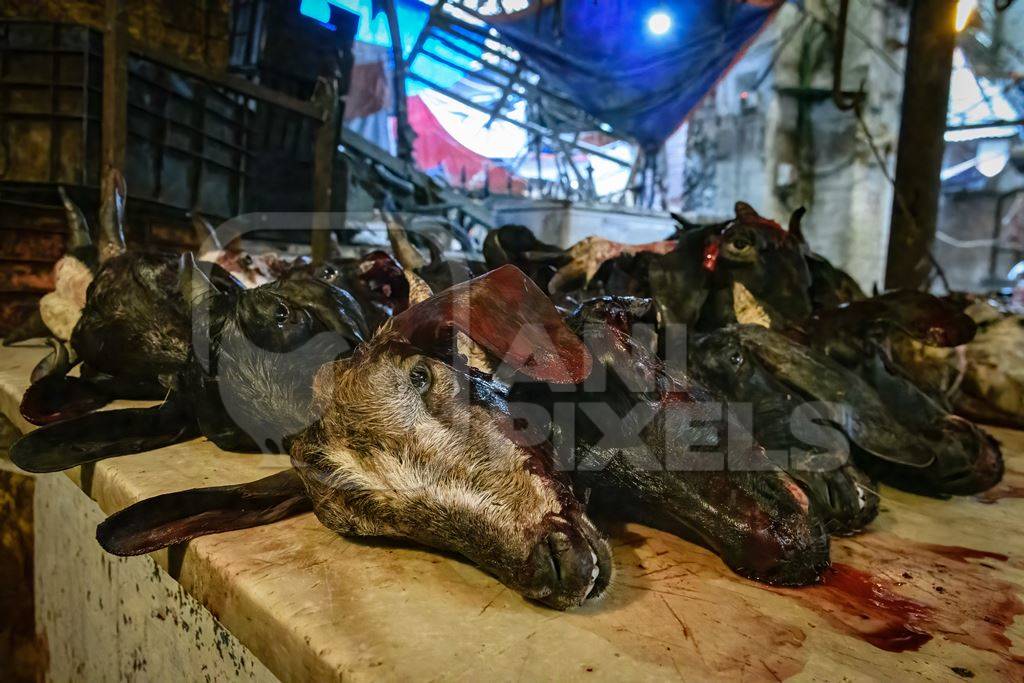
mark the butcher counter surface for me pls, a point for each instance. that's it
(933, 589)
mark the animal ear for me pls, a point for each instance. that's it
(746, 211)
(100, 435)
(161, 521)
(794, 224)
(55, 398)
(334, 247)
(407, 255)
(845, 399)
(510, 317)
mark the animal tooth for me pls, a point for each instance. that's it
(594, 572)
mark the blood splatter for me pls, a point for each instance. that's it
(709, 261)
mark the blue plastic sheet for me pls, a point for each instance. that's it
(638, 65)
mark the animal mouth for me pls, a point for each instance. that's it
(571, 564)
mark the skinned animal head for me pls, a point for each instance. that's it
(415, 444)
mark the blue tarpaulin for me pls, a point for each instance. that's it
(639, 65)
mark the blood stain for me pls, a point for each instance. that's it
(863, 607)
(1012, 486)
(976, 608)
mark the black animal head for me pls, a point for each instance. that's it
(254, 354)
(784, 420)
(763, 257)
(664, 451)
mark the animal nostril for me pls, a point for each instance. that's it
(559, 545)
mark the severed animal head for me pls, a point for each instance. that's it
(254, 352)
(766, 259)
(653, 445)
(789, 423)
(415, 444)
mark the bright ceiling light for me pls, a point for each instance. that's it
(659, 23)
(992, 156)
(964, 10)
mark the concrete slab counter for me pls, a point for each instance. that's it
(934, 589)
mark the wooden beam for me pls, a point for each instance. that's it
(114, 125)
(325, 146)
(230, 81)
(919, 155)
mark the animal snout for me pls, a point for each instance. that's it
(569, 567)
(783, 540)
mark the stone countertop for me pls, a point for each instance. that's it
(941, 580)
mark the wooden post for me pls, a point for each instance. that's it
(114, 126)
(325, 147)
(921, 145)
(115, 84)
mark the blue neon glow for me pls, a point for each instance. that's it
(412, 17)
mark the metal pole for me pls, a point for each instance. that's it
(919, 157)
(405, 132)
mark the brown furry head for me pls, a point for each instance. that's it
(414, 447)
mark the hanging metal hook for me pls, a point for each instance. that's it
(844, 101)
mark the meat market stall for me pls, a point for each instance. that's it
(933, 589)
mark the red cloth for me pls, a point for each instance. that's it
(435, 148)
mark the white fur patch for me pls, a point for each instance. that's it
(61, 308)
(748, 310)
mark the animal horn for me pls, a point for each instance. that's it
(205, 236)
(193, 282)
(406, 254)
(78, 227)
(794, 224)
(508, 316)
(112, 215)
(334, 247)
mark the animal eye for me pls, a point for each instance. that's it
(328, 272)
(741, 244)
(736, 358)
(281, 314)
(419, 376)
